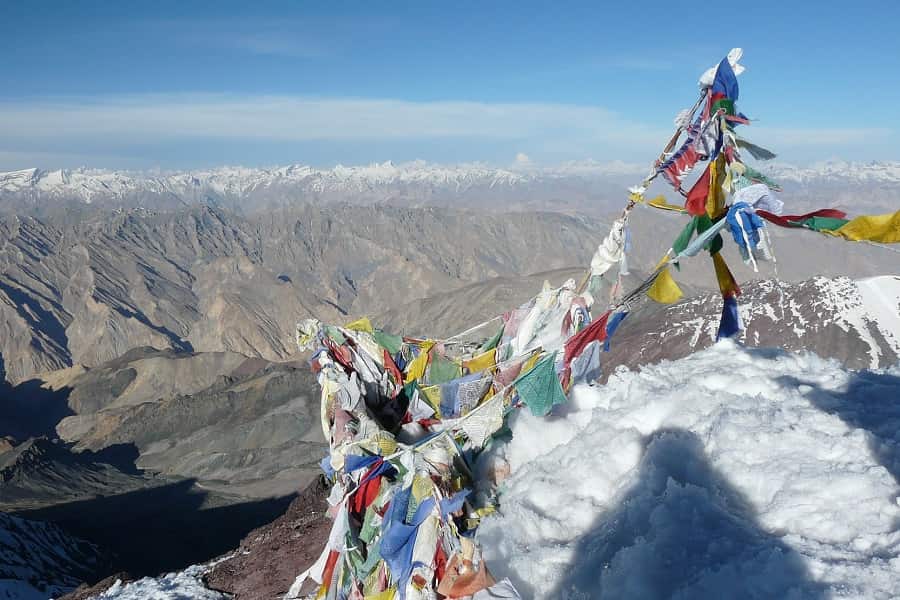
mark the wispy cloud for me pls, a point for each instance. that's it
(288, 118)
(275, 44)
(147, 125)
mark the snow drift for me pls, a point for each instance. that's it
(730, 473)
(173, 586)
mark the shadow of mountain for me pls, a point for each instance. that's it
(163, 528)
(870, 402)
(682, 530)
(37, 317)
(30, 410)
(121, 456)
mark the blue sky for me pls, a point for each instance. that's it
(192, 84)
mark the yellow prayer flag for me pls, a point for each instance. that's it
(363, 324)
(660, 203)
(727, 284)
(482, 362)
(871, 228)
(715, 198)
(388, 594)
(432, 394)
(662, 261)
(664, 289)
(529, 364)
(416, 368)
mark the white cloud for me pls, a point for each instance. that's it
(139, 124)
(286, 118)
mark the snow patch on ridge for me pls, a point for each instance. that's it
(820, 312)
(173, 586)
(881, 298)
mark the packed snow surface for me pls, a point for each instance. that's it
(174, 586)
(732, 473)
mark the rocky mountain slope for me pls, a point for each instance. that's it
(855, 322)
(84, 290)
(241, 425)
(187, 452)
(39, 560)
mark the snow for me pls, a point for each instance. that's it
(839, 170)
(92, 184)
(730, 473)
(805, 314)
(881, 299)
(174, 586)
(38, 559)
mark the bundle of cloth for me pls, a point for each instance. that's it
(407, 420)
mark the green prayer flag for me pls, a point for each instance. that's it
(684, 238)
(335, 334)
(441, 370)
(715, 244)
(539, 388)
(492, 343)
(823, 223)
(754, 175)
(391, 343)
(726, 103)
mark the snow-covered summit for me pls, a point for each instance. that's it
(731, 473)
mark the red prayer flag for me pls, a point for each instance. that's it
(391, 367)
(366, 493)
(696, 198)
(797, 220)
(595, 331)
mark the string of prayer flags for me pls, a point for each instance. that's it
(883, 229)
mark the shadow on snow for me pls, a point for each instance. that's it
(682, 530)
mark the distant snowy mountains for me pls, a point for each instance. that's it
(524, 185)
(417, 182)
(882, 172)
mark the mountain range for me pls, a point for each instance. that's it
(588, 185)
(150, 382)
